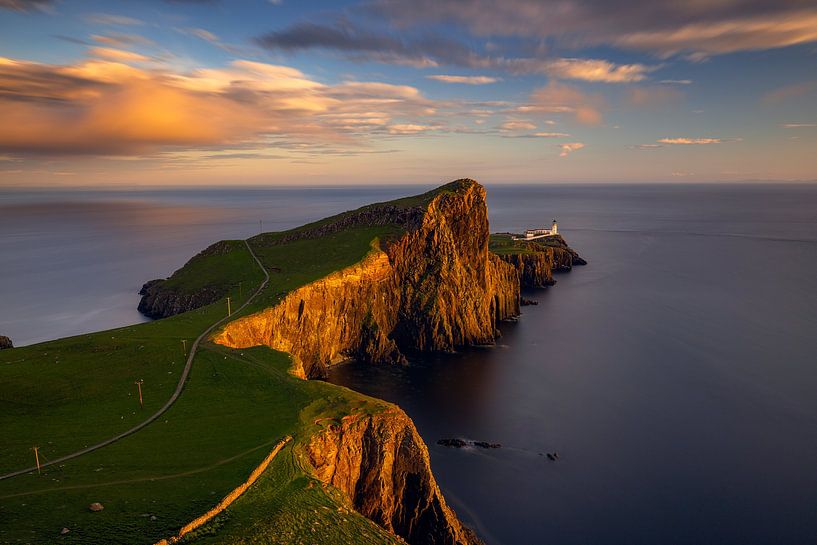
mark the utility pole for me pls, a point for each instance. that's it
(184, 346)
(260, 226)
(37, 457)
(139, 386)
(229, 311)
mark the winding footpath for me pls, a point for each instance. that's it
(170, 401)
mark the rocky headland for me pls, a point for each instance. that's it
(433, 285)
(433, 288)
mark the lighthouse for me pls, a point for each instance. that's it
(554, 229)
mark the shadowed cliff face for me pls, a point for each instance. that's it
(381, 464)
(435, 287)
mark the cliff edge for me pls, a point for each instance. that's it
(432, 287)
(381, 465)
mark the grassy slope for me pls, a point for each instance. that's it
(69, 393)
(236, 405)
(502, 244)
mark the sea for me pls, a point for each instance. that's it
(675, 375)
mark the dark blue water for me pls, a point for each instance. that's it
(676, 374)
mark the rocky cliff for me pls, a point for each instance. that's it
(381, 464)
(160, 298)
(435, 287)
(536, 261)
(5, 342)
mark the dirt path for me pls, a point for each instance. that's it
(173, 398)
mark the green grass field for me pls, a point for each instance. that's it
(66, 394)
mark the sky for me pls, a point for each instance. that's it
(286, 92)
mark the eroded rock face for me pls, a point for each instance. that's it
(434, 288)
(381, 464)
(5, 343)
(159, 301)
(535, 266)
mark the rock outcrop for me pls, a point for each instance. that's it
(5, 343)
(160, 301)
(381, 464)
(537, 262)
(434, 288)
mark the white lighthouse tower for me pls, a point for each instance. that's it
(554, 229)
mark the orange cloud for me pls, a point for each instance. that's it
(560, 98)
(116, 54)
(104, 107)
(567, 149)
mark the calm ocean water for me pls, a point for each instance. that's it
(676, 374)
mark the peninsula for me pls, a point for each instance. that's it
(249, 451)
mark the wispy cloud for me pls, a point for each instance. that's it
(567, 149)
(116, 54)
(25, 5)
(798, 125)
(560, 98)
(113, 20)
(517, 125)
(431, 50)
(695, 29)
(691, 141)
(467, 80)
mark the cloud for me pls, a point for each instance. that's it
(646, 147)
(798, 125)
(538, 135)
(116, 54)
(560, 98)
(665, 28)
(113, 20)
(567, 149)
(118, 39)
(430, 50)
(408, 128)
(596, 70)
(702, 39)
(788, 92)
(676, 81)
(467, 80)
(517, 125)
(690, 141)
(107, 107)
(25, 5)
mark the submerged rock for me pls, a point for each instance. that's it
(456, 443)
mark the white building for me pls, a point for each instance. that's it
(532, 234)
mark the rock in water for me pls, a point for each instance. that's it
(96, 507)
(5, 342)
